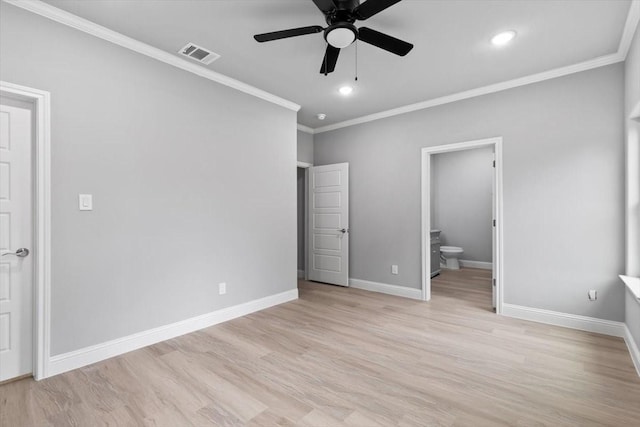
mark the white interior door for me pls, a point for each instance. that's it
(16, 227)
(328, 210)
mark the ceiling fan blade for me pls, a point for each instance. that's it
(325, 5)
(370, 7)
(384, 41)
(294, 32)
(330, 60)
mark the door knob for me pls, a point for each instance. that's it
(343, 230)
(21, 253)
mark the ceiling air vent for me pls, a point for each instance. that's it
(198, 53)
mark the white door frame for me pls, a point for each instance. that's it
(427, 152)
(306, 166)
(41, 147)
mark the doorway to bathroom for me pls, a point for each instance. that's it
(459, 222)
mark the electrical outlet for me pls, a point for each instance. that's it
(222, 288)
(394, 269)
(593, 295)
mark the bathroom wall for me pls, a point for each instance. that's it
(461, 196)
(564, 186)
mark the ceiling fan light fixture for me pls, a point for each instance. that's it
(340, 35)
(503, 38)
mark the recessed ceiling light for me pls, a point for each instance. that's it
(321, 116)
(345, 90)
(503, 38)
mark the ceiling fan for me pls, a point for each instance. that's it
(340, 32)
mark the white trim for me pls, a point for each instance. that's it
(304, 165)
(96, 353)
(476, 264)
(496, 142)
(633, 348)
(42, 221)
(633, 284)
(74, 21)
(485, 90)
(300, 274)
(630, 26)
(384, 288)
(573, 321)
(307, 261)
(305, 129)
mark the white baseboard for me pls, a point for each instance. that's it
(88, 355)
(476, 264)
(573, 321)
(300, 274)
(400, 291)
(633, 348)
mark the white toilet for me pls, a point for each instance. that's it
(451, 255)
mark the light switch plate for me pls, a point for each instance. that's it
(85, 202)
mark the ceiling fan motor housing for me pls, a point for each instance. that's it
(341, 34)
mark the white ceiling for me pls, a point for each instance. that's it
(452, 51)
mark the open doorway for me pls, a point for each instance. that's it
(461, 226)
(448, 228)
(301, 180)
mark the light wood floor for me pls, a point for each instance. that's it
(348, 357)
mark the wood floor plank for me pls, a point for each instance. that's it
(341, 356)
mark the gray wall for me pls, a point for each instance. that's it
(461, 196)
(305, 154)
(193, 184)
(632, 98)
(563, 188)
(305, 147)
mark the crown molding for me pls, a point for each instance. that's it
(485, 90)
(630, 27)
(74, 21)
(305, 129)
(63, 17)
(631, 24)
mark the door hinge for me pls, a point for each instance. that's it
(494, 222)
(494, 282)
(494, 163)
